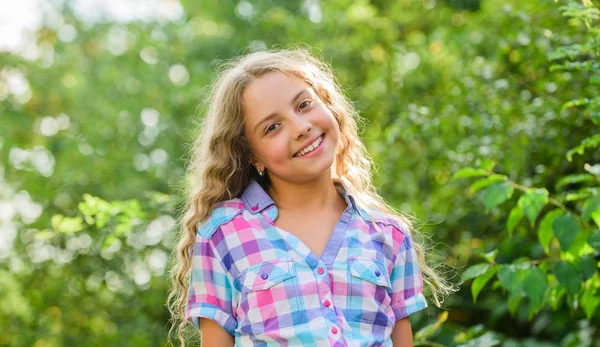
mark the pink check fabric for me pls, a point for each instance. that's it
(267, 288)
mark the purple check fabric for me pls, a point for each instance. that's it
(267, 288)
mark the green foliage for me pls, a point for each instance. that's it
(482, 280)
(565, 229)
(496, 194)
(535, 286)
(566, 274)
(532, 203)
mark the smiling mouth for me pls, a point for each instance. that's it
(310, 147)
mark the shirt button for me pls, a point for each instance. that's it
(334, 330)
(254, 208)
(327, 303)
(264, 276)
(320, 270)
(377, 273)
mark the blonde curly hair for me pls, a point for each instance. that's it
(220, 165)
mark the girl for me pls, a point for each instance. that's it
(285, 241)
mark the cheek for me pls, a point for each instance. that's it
(329, 119)
(334, 127)
(276, 151)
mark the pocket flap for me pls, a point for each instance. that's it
(265, 275)
(370, 270)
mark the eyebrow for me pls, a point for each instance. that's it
(274, 114)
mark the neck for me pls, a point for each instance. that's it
(312, 196)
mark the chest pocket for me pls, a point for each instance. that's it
(368, 292)
(269, 297)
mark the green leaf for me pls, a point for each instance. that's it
(596, 217)
(515, 216)
(489, 256)
(512, 278)
(484, 182)
(496, 194)
(535, 286)
(480, 281)
(565, 227)
(469, 172)
(570, 51)
(587, 266)
(568, 276)
(489, 339)
(576, 102)
(574, 66)
(572, 179)
(431, 328)
(590, 300)
(595, 117)
(67, 225)
(592, 204)
(487, 164)
(532, 203)
(579, 10)
(579, 247)
(590, 142)
(469, 334)
(579, 195)
(594, 239)
(556, 294)
(475, 271)
(513, 302)
(545, 233)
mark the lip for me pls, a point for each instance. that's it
(307, 143)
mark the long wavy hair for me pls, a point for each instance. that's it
(220, 162)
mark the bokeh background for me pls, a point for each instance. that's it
(99, 102)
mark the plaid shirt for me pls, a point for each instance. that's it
(267, 288)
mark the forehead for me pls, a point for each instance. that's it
(270, 93)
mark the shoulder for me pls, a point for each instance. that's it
(382, 220)
(396, 229)
(222, 213)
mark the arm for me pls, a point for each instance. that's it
(407, 285)
(210, 296)
(402, 334)
(213, 335)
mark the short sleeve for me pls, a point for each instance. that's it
(210, 290)
(407, 282)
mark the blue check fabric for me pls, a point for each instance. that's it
(266, 287)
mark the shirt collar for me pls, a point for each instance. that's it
(256, 199)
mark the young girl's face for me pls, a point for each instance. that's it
(292, 133)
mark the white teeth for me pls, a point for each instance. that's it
(310, 147)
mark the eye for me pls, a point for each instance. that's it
(307, 102)
(271, 127)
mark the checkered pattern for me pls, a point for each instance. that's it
(267, 288)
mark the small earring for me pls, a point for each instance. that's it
(261, 173)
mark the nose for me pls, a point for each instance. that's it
(301, 125)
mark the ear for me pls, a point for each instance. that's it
(258, 166)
